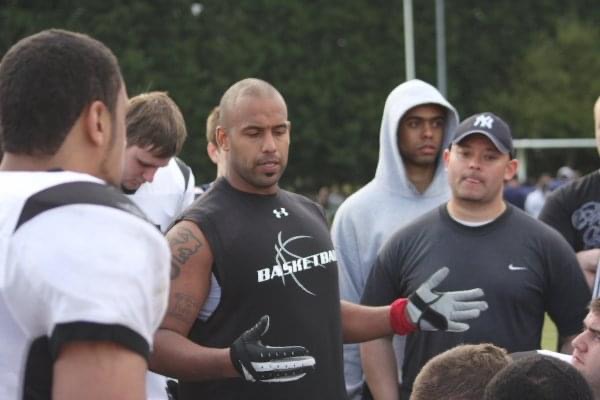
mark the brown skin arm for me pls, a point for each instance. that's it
(174, 354)
(362, 323)
(98, 371)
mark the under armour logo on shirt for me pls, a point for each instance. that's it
(280, 213)
(484, 121)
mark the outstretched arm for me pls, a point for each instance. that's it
(426, 309)
(361, 323)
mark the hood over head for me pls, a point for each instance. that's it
(390, 169)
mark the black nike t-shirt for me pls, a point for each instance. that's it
(524, 267)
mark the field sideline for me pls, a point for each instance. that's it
(549, 335)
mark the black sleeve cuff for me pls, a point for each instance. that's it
(91, 331)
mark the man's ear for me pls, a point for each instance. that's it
(222, 138)
(446, 157)
(97, 123)
(213, 152)
(511, 169)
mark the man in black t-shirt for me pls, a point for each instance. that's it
(574, 211)
(525, 268)
(246, 248)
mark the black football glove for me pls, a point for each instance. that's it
(257, 362)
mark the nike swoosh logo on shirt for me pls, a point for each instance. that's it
(513, 268)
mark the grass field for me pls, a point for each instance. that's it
(549, 335)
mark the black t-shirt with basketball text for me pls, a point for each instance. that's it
(272, 256)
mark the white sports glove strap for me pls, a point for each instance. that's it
(257, 362)
(433, 311)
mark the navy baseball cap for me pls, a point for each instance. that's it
(490, 125)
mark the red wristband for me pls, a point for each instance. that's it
(399, 318)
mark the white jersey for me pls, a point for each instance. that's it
(75, 264)
(171, 191)
(568, 358)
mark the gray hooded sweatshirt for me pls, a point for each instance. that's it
(370, 216)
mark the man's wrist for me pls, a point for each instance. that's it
(399, 319)
(228, 365)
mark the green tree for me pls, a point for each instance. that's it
(554, 86)
(552, 93)
(335, 62)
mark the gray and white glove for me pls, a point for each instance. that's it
(257, 362)
(442, 311)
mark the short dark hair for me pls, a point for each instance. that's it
(46, 81)
(251, 87)
(459, 373)
(538, 377)
(154, 120)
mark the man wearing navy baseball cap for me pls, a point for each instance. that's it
(524, 267)
(489, 125)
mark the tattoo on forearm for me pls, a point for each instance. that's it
(183, 246)
(183, 308)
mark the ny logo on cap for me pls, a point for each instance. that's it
(280, 213)
(484, 121)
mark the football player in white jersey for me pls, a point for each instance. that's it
(83, 280)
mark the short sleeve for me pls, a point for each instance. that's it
(99, 273)
(555, 214)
